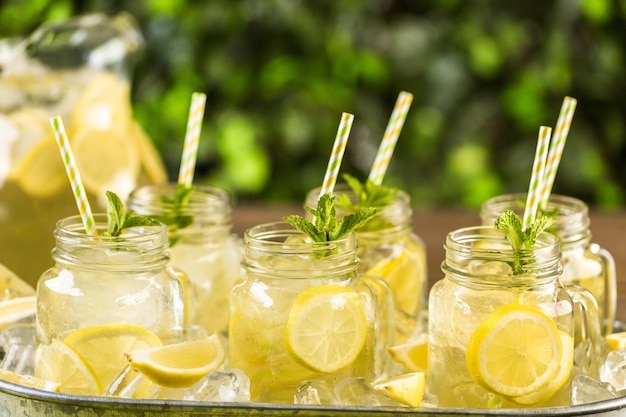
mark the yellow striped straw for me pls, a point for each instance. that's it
(74, 176)
(390, 138)
(192, 138)
(343, 132)
(563, 123)
(537, 177)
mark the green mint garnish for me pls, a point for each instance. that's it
(119, 219)
(368, 195)
(522, 241)
(175, 219)
(325, 226)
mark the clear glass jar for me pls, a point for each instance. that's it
(78, 69)
(389, 248)
(205, 249)
(98, 280)
(478, 281)
(584, 262)
(280, 265)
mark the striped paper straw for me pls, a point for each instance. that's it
(392, 132)
(74, 176)
(556, 147)
(192, 137)
(337, 153)
(537, 177)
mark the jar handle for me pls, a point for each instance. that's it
(587, 333)
(610, 303)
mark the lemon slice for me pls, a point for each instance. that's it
(515, 351)
(32, 125)
(106, 160)
(60, 363)
(103, 105)
(179, 365)
(413, 355)
(12, 285)
(41, 173)
(103, 347)
(406, 388)
(565, 370)
(326, 328)
(616, 341)
(16, 309)
(28, 381)
(150, 158)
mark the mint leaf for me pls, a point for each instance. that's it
(368, 195)
(119, 219)
(522, 241)
(325, 227)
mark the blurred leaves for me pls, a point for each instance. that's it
(278, 74)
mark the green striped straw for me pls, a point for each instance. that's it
(192, 138)
(537, 177)
(557, 144)
(74, 176)
(343, 132)
(390, 138)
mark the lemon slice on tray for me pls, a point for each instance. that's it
(517, 351)
(179, 365)
(412, 354)
(616, 341)
(326, 328)
(16, 309)
(103, 347)
(28, 381)
(406, 388)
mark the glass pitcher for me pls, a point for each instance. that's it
(77, 69)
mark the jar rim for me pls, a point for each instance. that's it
(72, 227)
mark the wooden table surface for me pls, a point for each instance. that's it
(608, 231)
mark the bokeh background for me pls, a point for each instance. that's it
(278, 74)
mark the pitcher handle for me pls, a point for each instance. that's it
(610, 303)
(587, 333)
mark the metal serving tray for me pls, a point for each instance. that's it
(24, 401)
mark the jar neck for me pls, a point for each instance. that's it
(392, 219)
(570, 215)
(277, 250)
(142, 247)
(482, 255)
(207, 213)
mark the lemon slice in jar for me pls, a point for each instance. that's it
(406, 388)
(616, 341)
(326, 328)
(179, 365)
(61, 364)
(412, 354)
(103, 347)
(516, 351)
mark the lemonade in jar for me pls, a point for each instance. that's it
(83, 79)
(199, 219)
(388, 248)
(105, 295)
(584, 262)
(501, 325)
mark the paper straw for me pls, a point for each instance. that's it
(392, 132)
(556, 147)
(537, 177)
(192, 137)
(74, 176)
(337, 153)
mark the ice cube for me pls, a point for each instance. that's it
(229, 385)
(613, 370)
(588, 390)
(315, 391)
(17, 343)
(357, 391)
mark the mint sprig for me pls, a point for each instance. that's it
(522, 241)
(175, 218)
(119, 219)
(325, 226)
(368, 194)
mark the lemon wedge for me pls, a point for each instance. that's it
(103, 347)
(12, 285)
(179, 365)
(16, 309)
(59, 363)
(406, 388)
(515, 351)
(616, 341)
(413, 355)
(29, 381)
(326, 328)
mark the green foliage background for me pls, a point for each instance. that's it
(278, 74)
